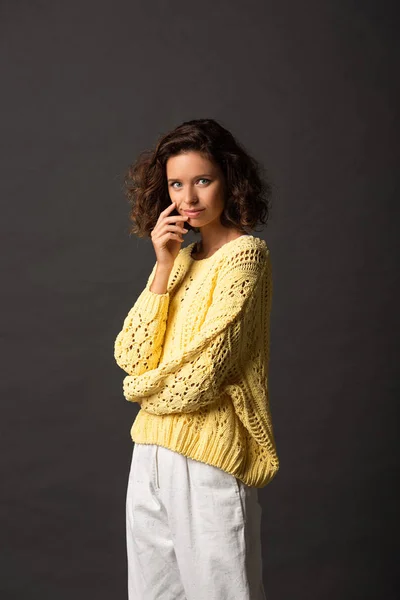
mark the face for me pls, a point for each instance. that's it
(196, 183)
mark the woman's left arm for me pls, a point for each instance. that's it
(195, 377)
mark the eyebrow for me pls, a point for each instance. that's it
(196, 177)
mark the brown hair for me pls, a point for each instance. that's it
(248, 192)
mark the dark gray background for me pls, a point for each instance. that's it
(310, 88)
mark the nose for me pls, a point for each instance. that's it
(190, 200)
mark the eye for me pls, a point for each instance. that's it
(172, 184)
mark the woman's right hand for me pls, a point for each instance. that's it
(167, 236)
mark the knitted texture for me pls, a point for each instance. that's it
(197, 360)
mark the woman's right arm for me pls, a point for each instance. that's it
(160, 282)
(138, 346)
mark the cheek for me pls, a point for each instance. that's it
(215, 195)
(219, 198)
(172, 194)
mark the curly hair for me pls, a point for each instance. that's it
(249, 190)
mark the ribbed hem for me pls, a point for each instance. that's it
(172, 432)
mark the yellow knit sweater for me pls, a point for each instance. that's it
(197, 360)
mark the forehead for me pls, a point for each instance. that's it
(189, 163)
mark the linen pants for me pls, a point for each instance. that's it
(192, 530)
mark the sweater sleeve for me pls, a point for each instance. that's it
(194, 377)
(138, 345)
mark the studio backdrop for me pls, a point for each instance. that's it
(310, 89)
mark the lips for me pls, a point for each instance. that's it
(193, 213)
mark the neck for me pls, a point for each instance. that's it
(211, 243)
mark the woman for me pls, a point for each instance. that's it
(195, 347)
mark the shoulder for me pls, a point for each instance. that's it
(246, 252)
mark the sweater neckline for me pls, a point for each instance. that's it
(190, 247)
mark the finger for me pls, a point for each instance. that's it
(172, 227)
(174, 218)
(169, 208)
(171, 235)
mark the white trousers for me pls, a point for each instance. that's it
(192, 530)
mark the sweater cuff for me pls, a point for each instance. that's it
(156, 304)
